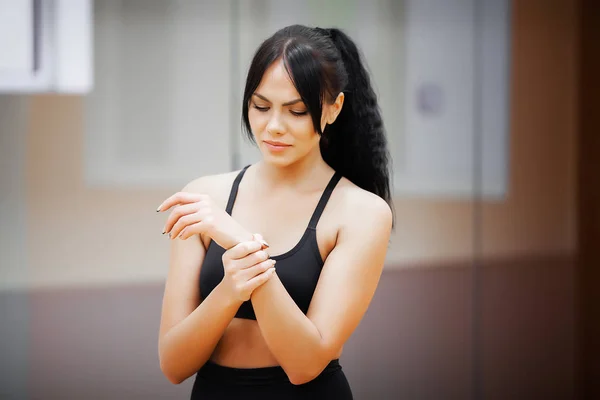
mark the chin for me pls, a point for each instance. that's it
(282, 159)
(278, 161)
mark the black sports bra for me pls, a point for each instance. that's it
(298, 269)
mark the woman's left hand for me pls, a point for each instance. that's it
(197, 214)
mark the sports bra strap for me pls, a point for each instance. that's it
(234, 189)
(323, 200)
(318, 210)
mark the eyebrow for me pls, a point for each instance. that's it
(289, 103)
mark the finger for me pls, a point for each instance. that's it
(185, 222)
(254, 258)
(180, 198)
(179, 212)
(191, 230)
(242, 250)
(250, 260)
(257, 269)
(260, 279)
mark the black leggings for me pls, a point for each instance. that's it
(214, 382)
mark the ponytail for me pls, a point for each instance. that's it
(356, 144)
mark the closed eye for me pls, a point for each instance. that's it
(261, 109)
(265, 109)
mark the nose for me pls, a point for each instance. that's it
(275, 126)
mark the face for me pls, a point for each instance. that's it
(280, 122)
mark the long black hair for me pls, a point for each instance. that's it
(322, 63)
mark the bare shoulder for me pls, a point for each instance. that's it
(217, 186)
(360, 208)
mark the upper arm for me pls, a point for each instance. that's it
(351, 272)
(182, 293)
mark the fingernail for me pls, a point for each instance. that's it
(258, 237)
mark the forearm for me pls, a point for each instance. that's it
(189, 344)
(292, 337)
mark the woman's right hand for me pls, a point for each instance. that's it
(247, 266)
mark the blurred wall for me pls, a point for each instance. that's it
(80, 236)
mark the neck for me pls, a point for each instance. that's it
(305, 173)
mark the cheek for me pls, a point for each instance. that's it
(308, 136)
(303, 123)
(257, 120)
(302, 128)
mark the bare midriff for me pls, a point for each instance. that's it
(243, 346)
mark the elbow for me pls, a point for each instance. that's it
(171, 369)
(312, 370)
(177, 368)
(174, 379)
(170, 373)
(301, 377)
(305, 375)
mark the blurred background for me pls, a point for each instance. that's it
(109, 106)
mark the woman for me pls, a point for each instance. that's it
(320, 197)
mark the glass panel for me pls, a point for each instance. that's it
(527, 237)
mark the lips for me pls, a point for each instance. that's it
(276, 143)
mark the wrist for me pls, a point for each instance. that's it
(233, 240)
(226, 298)
(264, 287)
(244, 237)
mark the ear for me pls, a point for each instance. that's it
(335, 108)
